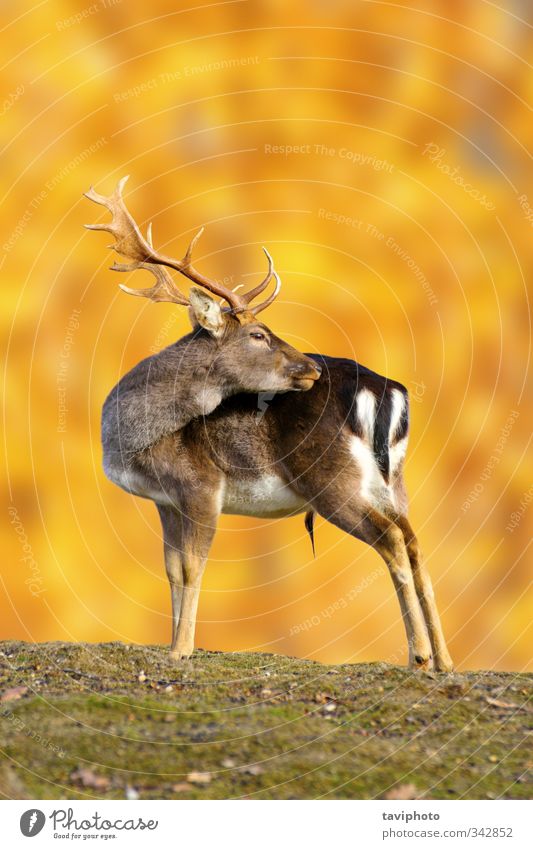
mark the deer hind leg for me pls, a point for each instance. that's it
(426, 596)
(384, 535)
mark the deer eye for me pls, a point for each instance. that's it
(257, 335)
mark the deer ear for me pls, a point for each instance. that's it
(205, 312)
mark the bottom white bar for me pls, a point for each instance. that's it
(268, 824)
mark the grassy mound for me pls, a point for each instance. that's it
(115, 721)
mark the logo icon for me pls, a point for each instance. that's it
(32, 822)
(262, 404)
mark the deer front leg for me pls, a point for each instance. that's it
(193, 566)
(426, 596)
(188, 534)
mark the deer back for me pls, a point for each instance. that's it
(351, 425)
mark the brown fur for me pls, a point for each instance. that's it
(304, 439)
(177, 429)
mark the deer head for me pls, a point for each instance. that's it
(247, 353)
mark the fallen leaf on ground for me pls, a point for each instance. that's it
(322, 698)
(182, 787)
(251, 769)
(13, 693)
(199, 777)
(402, 791)
(454, 689)
(507, 705)
(88, 778)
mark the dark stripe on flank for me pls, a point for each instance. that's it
(381, 432)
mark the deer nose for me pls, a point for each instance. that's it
(303, 369)
(299, 369)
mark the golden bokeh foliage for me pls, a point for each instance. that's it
(382, 153)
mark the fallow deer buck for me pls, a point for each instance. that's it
(182, 428)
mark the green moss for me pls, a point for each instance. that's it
(262, 725)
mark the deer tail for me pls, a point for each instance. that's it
(310, 528)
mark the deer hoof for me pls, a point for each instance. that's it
(421, 662)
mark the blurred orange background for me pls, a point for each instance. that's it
(382, 154)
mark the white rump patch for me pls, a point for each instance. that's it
(398, 406)
(397, 453)
(366, 412)
(373, 488)
(267, 497)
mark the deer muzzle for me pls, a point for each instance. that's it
(304, 374)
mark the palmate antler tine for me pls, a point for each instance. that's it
(131, 244)
(163, 290)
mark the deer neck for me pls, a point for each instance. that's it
(201, 379)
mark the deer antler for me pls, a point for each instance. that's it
(163, 290)
(131, 244)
